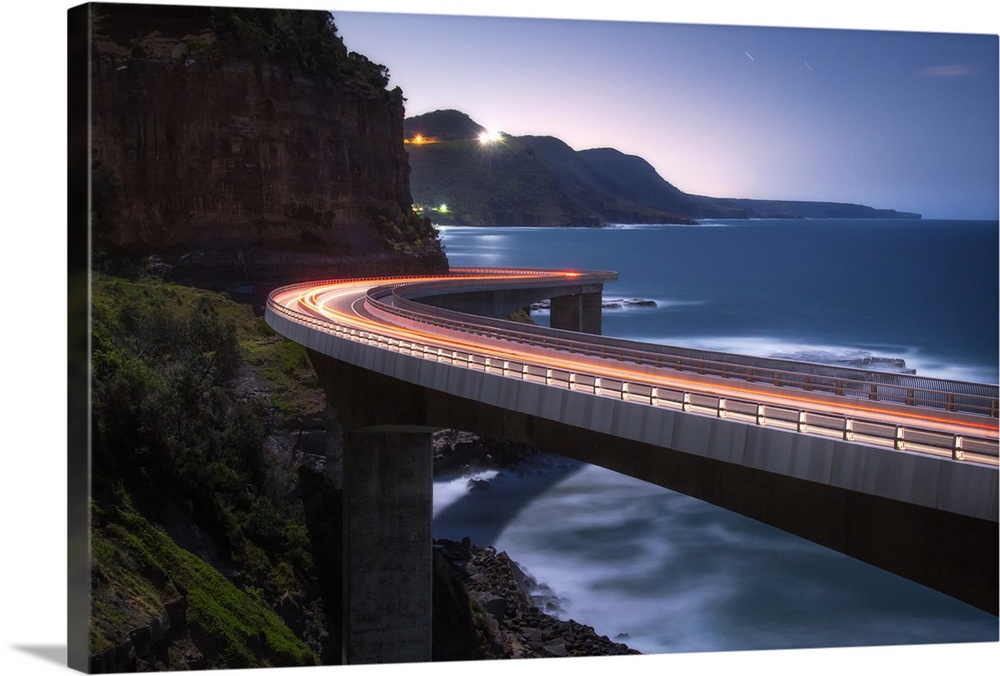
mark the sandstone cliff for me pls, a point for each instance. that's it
(247, 147)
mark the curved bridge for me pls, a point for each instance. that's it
(897, 470)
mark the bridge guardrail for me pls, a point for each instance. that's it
(851, 428)
(951, 396)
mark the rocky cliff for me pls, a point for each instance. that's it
(247, 147)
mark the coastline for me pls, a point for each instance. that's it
(512, 607)
(501, 593)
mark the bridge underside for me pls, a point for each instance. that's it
(957, 555)
(573, 308)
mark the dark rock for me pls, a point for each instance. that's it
(290, 611)
(478, 484)
(457, 451)
(496, 583)
(556, 648)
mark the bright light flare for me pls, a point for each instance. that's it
(490, 136)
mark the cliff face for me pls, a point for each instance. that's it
(227, 163)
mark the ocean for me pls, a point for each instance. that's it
(666, 573)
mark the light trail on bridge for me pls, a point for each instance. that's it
(345, 303)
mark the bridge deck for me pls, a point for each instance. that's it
(900, 473)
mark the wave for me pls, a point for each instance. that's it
(898, 358)
(544, 307)
(449, 491)
(664, 572)
(659, 226)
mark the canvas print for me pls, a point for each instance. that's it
(551, 339)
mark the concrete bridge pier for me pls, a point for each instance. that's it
(579, 312)
(385, 468)
(387, 545)
(945, 550)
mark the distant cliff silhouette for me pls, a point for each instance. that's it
(540, 181)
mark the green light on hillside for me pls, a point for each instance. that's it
(443, 208)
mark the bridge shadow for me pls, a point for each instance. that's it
(480, 505)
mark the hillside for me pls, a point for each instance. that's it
(714, 207)
(203, 549)
(463, 181)
(613, 186)
(525, 180)
(540, 180)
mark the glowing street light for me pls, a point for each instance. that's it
(490, 136)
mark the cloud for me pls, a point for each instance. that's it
(948, 70)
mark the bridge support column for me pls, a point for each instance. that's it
(580, 312)
(387, 545)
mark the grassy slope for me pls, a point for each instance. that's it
(141, 576)
(497, 184)
(138, 570)
(292, 383)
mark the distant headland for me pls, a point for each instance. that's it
(462, 173)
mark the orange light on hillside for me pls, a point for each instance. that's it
(420, 140)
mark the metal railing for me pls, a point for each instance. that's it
(904, 437)
(903, 389)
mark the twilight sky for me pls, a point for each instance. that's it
(891, 119)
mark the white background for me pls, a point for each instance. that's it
(33, 265)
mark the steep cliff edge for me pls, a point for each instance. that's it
(247, 148)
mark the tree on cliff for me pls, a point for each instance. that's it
(306, 39)
(194, 495)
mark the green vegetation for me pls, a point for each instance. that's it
(540, 180)
(139, 564)
(183, 434)
(305, 39)
(414, 232)
(499, 183)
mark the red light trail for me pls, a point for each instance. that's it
(342, 303)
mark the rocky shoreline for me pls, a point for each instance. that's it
(517, 627)
(606, 304)
(510, 601)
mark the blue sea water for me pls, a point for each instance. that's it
(664, 572)
(925, 291)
